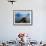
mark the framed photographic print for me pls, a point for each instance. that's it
(22, 17)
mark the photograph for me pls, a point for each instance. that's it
(22, 16)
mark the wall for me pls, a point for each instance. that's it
(38, 30)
